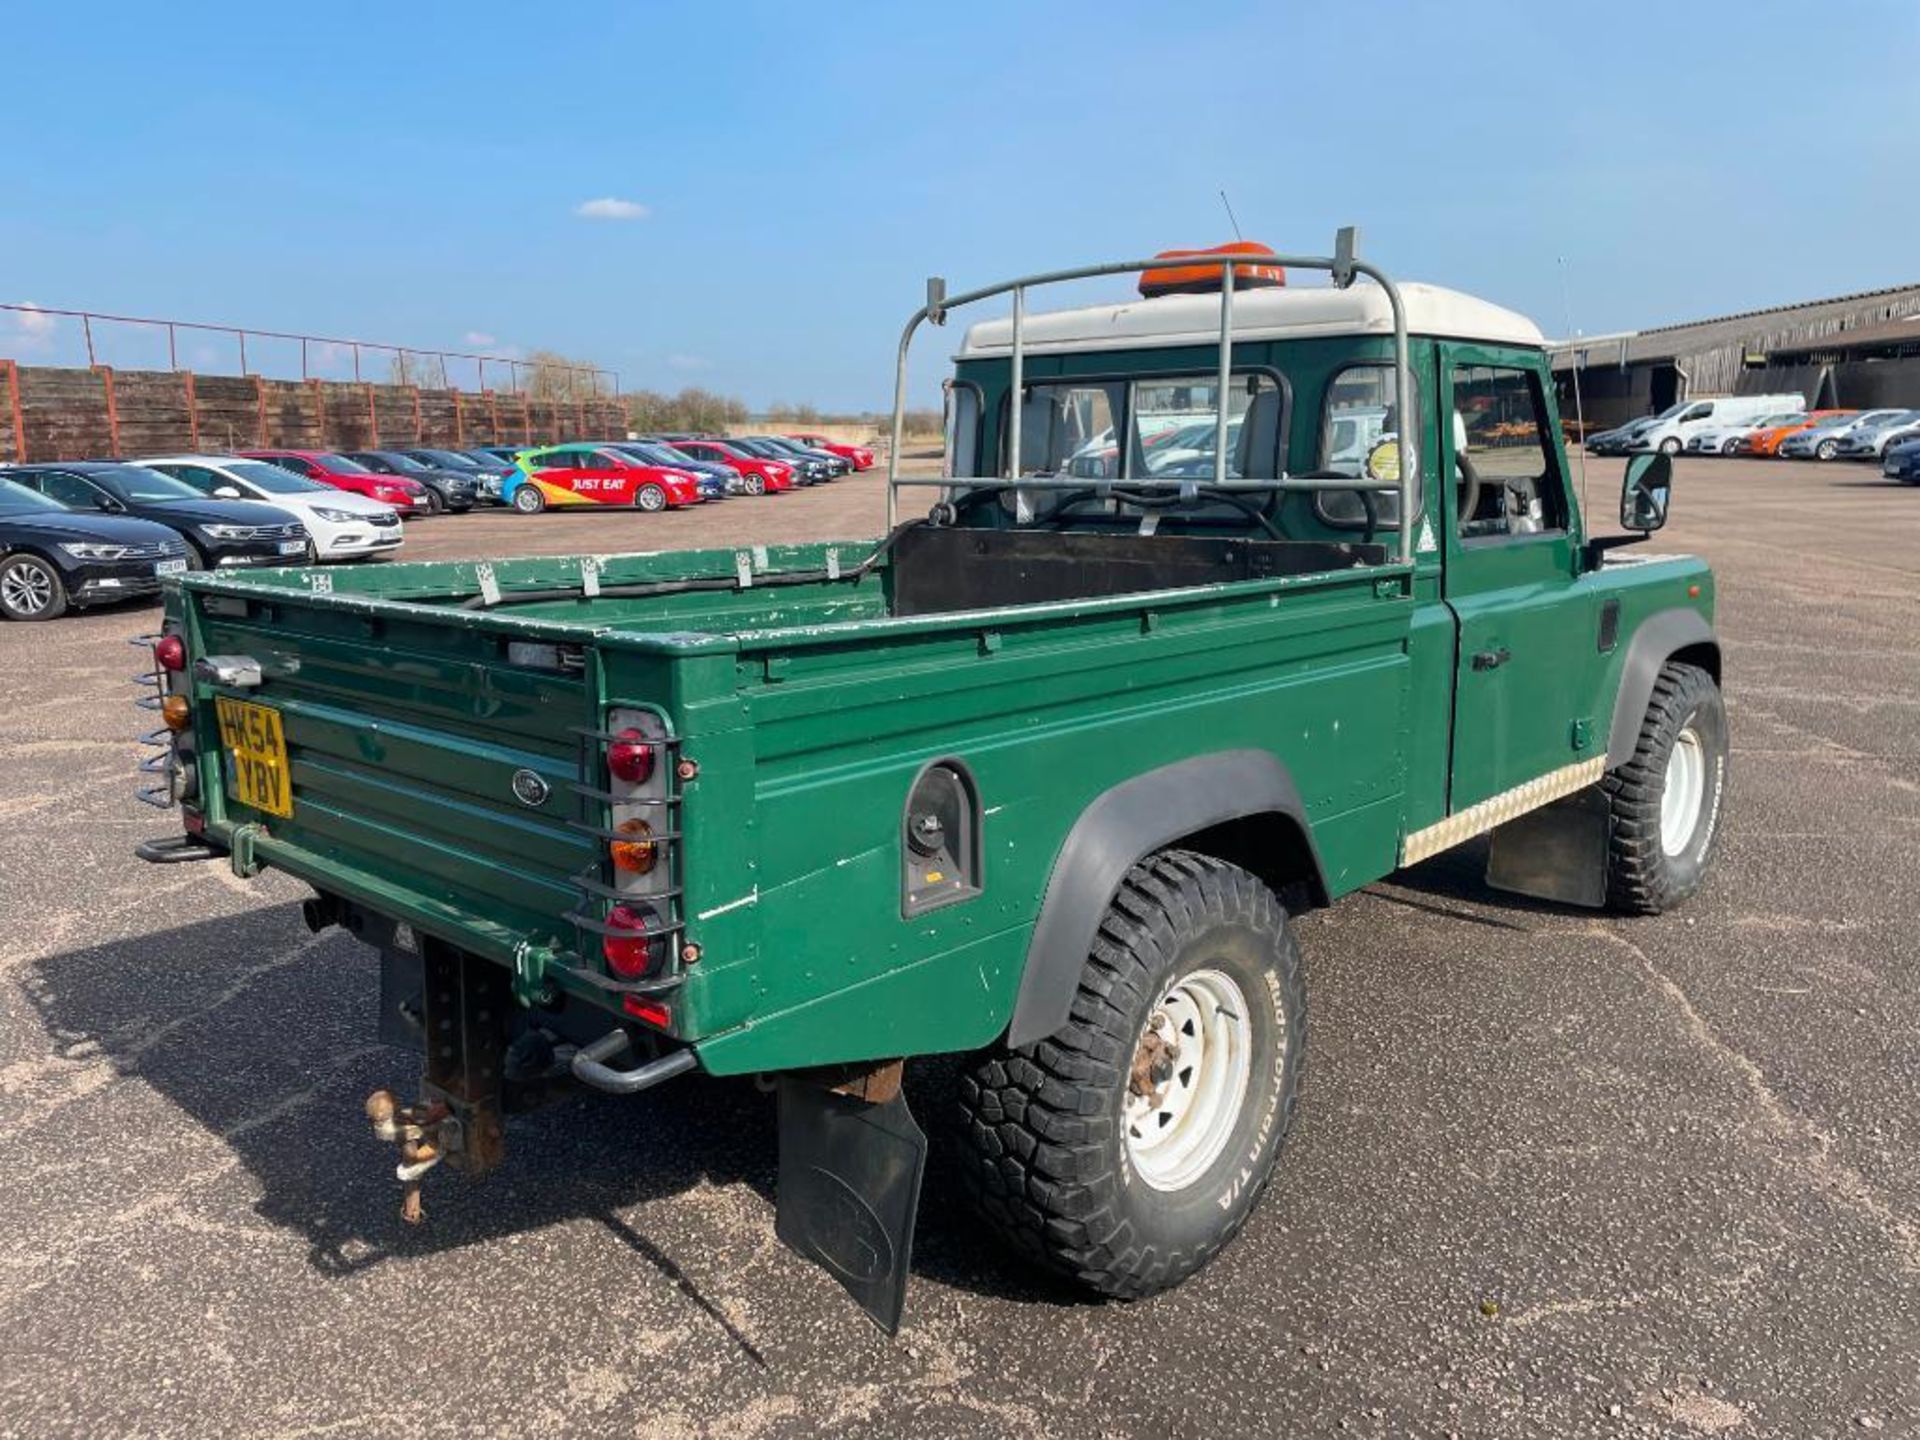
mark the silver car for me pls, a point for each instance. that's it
(1821, 440)
(1869, 442)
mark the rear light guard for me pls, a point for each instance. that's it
(170, 775)
(630, 920)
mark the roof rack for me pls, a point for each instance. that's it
(1343, 265)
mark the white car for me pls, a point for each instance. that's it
(339, 524)
(1870, 441)
(1725, 439)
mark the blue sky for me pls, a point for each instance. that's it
(416, 172)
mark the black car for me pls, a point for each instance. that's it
(836, 465)
(807, 469)
(1902, 462)
(502, 453)
(488, 475)
(52, 558)
(447, 488)
(219, 533)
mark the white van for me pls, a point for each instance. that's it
(1674, 426)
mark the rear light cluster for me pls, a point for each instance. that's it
(637, 931)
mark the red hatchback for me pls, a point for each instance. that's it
(860, 456)
(773, 475)
(409, 497)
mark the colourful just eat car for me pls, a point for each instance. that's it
(409, 497)
(594, 475)
(860, 455)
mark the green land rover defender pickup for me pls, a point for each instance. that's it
(1230, 600)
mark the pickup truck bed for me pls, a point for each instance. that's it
(799, 707)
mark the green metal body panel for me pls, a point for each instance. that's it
(811, 709)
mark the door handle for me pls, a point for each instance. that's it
(1491, 659)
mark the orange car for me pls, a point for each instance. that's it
(1767, 441)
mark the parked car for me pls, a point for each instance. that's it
(1869, 441)
(763, 476)
(1616, 440)
(859, 456)
(407, 496)
(1902, 462)
(595, 475)
(806, 471)
(1674, 426)
(1767, 441)
(218, 533)
(825, 465)
(339, 526)
(53, 558)
(1726, 439)
(1820, 440)
(448, 490)
(503, 454)
(717, 482)
(488, 475)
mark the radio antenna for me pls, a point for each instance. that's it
(1579, 412)
(1230, 216)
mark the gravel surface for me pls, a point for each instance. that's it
(1554, 1173)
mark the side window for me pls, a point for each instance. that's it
(69, 490)
(1359, 419)
(609, 460)
(1508, 481)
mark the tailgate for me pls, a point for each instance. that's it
(422, 754)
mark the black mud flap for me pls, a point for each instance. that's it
(849, 1188)
(1558, 852)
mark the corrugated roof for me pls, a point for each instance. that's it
(1808, 324)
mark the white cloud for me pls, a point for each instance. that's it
(611, 208)
(29, 327)
(689, 362)
(479, 337)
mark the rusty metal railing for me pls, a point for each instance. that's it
(578, 377)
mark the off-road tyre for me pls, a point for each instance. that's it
(31, 588)
(1046, 1158)
(1645, 875)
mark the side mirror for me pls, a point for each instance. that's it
(111, 505)
(1645, 492)
(227, 492)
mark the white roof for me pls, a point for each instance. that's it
(1284, 312)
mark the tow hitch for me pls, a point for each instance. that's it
(425, 1134)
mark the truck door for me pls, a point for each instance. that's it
(1511, 544)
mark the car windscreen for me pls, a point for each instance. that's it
(17, 499)
(405, 463)
(272, 479)
(341, 465)
(453, 460)
(136, 482)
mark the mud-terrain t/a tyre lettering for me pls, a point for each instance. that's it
(1127, 1148)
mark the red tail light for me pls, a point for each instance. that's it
(630, 956)
(171, 652)
(631, 758)
(651, 1011)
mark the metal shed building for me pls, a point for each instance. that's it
(1856, 350)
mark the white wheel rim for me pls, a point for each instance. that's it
(1684, 792)
(1202, 1037)
(28, 589)
(652, 499)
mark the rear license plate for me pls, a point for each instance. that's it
(292, 547)
(170, 567)
(257, 755)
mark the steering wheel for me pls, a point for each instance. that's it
(1470, 488)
